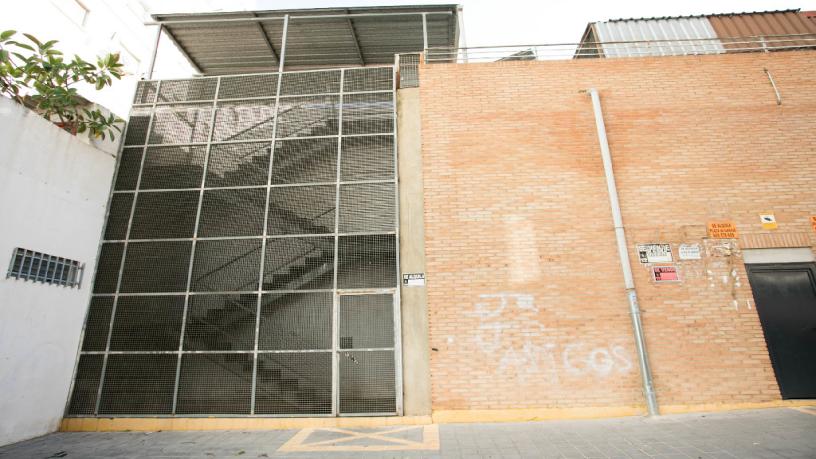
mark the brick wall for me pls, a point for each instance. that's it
(525, 292)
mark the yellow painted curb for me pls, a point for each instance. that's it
(438, 417)
(713, 407)
(155, 424)
(534, 414)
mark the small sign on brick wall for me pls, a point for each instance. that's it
(722, 230)
(413, 280)
(689, 251)
(662, 274)
(654, 253)
(768, 221)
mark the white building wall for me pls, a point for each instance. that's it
(53, 194)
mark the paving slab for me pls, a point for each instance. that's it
(770, 433)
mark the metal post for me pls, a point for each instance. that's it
(425, 32)
(462, 36)
(283, 45)
(620, 236)
(154, 52)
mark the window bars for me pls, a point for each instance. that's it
(244, 209)
(49, 269)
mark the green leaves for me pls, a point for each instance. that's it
(37, 68)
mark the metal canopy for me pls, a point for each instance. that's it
(252, 41)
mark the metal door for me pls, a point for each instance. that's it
(367, 352)
(785, 296)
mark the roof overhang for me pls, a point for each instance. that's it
(252, 41)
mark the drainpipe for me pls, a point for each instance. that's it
(623, 253)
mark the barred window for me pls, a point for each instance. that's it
(48, 269)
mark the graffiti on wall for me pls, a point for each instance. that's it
(511, 333)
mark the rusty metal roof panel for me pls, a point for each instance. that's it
(655, 30)
(775, 24)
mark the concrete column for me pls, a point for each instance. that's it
(414, 304)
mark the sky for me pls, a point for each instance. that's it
(517, 22)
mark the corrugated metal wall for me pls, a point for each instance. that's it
(650, 30)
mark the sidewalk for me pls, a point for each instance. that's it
(770, 433)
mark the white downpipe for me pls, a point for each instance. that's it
(623, 253)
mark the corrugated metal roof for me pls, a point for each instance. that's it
(218, 44)
(713, 33)
(651, 30)
(763, 24)
(709, 15)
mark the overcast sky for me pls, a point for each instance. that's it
(509, 22)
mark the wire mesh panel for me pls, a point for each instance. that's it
(138, 384)
(221, 322)
(308, 116)
(301, 263)
(215, 384)
(366, 207)
(164, 215)
(238, 164)
(242, 208)
(118, 216)
(156, 267)
(128, 173)
(367, 261)
(244, 120)
(187, 90)
(366, 321)
(367, 382)
(296, 321)
(367, 158)
(97, 323)
(147, 323)
(294, 383)
(237, 212)
(231, 265)
(302, 210)
(305, 161)
(86, 385)
(181, 123)
(173, 167)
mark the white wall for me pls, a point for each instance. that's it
(53, 193)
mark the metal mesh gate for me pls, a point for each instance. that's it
(249, 262)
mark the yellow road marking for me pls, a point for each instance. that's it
(299, 442)
(811, 410)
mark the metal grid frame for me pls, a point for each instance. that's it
(49, 269)
(145, 89)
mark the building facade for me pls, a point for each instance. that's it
(339, 242)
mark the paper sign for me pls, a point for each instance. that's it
(722, 230)
(768, 221)
(665, 274)
(689, 251)
(654, 253)
(413, 280)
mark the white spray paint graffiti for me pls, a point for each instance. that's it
(533, 358)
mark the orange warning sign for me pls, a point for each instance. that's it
(813, 222)
(722, 230)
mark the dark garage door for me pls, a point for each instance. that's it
(785, 297)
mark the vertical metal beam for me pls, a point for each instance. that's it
(283, 47)
(623, 253)
(460, 16)
(425, 32)
(155, 51)
(335, 296)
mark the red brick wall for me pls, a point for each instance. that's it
(525, 291)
